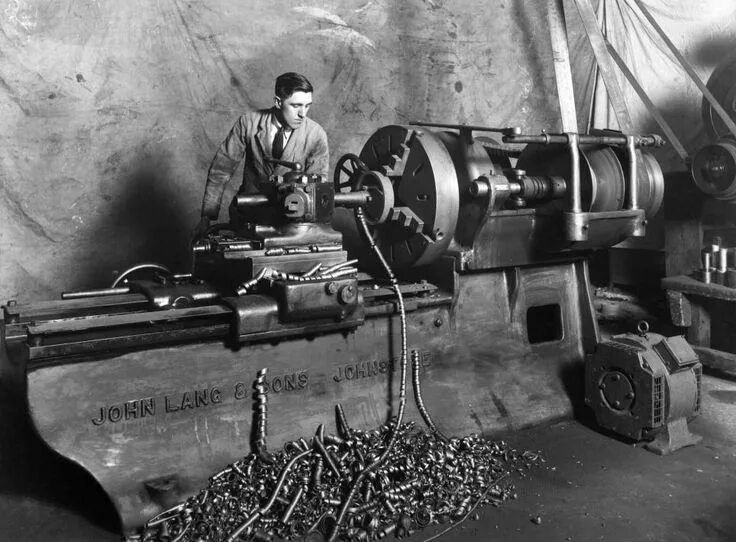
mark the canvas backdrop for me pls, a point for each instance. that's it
(110, 111)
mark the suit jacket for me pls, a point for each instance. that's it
(248, 139)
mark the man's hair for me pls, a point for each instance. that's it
(291, 82)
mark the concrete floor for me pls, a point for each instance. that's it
(592, 487)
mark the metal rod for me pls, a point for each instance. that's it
(250, 200)
(296, 166)
(473, 127)
(652, 140)
(576, 205)
(633, 180)
(722, 260)
(338, 266)
(95, 293)
(352, 199)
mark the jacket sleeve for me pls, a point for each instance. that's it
(226, 160)
(318, 159)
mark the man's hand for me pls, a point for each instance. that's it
(202, 227)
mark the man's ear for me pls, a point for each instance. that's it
(277, 102)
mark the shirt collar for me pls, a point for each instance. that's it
(277, 124)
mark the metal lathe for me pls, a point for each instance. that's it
(148, 384)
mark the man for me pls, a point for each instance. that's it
(283, 132)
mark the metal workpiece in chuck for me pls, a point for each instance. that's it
(517, 189)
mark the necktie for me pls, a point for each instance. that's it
(277, 149)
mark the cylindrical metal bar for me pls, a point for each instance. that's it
(535, 188)
(473, 127)
(652, 140)
(722, 260)
(325, 248)
(339, 266)
(235, 246)
(576, 205)
(296, 166)
(352, 199)
(95, 293)
(633, 178)
(707, 264)
(337, 274)
(250, 200)
(480, 187)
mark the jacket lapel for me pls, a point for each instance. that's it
(262, 133)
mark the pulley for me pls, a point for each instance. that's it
(601, 174)
(714, 170)
(722, 84)
(604, 175)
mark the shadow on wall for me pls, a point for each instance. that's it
(713, 52)
(47, 487)
(147, 221)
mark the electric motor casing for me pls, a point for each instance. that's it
(638, 383)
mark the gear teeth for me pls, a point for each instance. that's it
(405, 217)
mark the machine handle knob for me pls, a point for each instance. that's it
(295, 166)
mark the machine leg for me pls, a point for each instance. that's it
(676, 435)
(698, 334)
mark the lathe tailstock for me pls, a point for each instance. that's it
(148, 384)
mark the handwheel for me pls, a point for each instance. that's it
(345, 172)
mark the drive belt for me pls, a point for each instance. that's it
(561, 62)
(605, 65)
(727, 120)
(663, 124)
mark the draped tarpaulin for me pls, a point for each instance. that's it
(110, 111)
(704, 32)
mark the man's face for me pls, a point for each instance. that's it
(294, 108)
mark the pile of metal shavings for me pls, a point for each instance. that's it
(298, 492)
